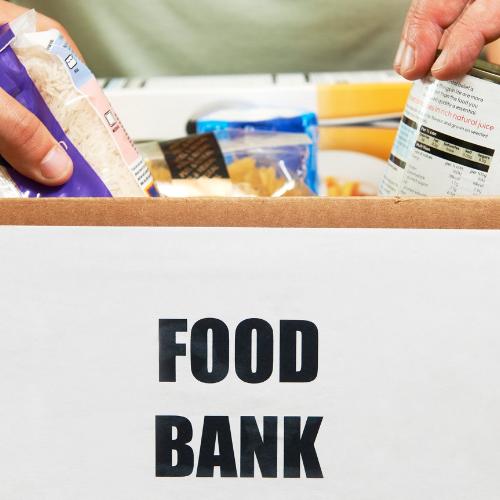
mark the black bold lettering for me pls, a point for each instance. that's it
(243, 346)
(169, 348)
(265, 449)
(297, 446)
(216, 430)
(220, 350)
(289, 372)
(166, 444)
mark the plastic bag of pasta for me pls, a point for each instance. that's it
(41, 72)
(231, 163)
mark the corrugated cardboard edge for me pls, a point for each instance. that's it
(442, 213)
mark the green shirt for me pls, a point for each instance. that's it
(179, 37)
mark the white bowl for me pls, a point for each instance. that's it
(350, 166)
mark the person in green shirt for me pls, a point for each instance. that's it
(179, 37)
(194, 37)
(186, 37)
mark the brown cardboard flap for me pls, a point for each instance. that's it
(451, 213)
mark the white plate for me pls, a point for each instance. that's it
(350, 166)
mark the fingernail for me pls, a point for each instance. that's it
(399, 54)
(441, 62)
(408, 62)
(56, 164)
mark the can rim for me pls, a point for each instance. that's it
(486, 71)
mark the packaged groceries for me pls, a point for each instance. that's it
(448, 138)
(230, 163)
(336, 187)
(43, 74)
(252, 118)
(349, 173)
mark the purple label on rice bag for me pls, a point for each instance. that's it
(14, 79)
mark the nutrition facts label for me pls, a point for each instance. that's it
(446, 141)
(422, 154)
(455, 150)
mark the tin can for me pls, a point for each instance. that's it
(448, 138)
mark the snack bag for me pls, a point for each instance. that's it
(231, 163)
(271, 119)
(41, 72)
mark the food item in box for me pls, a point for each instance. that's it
(259, 181)
(349, 173)
(337, 187)
(448, 139)
(230, 163)
(264, 181)
(271, 119)
(201, 187)
(42, 73)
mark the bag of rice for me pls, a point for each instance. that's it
(41, 72)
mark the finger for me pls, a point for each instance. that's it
(9, 11)
(29, 147)
(426, 22)
(479, 25)
(493, 52)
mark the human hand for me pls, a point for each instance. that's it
(460, 28)
(24, 141)
(493, 52)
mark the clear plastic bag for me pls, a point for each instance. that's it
(41, 72)
(249, 117)
(234, 163)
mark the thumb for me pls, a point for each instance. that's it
(426, 22)
(29, 147)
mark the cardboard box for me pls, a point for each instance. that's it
(249, 348)
(169, 102)
(423, 213)
(160, 108)
(125, 365)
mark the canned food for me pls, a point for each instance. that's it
(448, 138)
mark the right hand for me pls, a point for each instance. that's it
(461, 28)
(24, 141)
